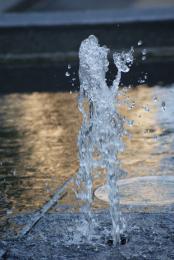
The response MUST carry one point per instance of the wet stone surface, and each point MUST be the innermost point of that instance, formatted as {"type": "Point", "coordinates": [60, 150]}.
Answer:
{"type": "Point", "coordinates": [56, 236]}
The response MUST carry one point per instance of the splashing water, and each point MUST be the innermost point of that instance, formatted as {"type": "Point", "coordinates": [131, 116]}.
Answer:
{"type": "Point", "coordinates": [100, 136]}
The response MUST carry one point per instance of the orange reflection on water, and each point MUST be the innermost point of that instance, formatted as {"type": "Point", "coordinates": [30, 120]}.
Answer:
{"type": "Point", "coordinates": [47, 125]}
{"type": "Point", "coordinates": [42, 152]}
{"type": "Point", "coordinates": [139, 158]}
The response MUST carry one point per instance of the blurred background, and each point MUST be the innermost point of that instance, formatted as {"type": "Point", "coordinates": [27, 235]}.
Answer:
{"type": "Point", "coordinates": [66, 5]}
{"type": "Point", "coordinates": [39, 117]}
{"type": "Point", "coordinates": [38, 39]}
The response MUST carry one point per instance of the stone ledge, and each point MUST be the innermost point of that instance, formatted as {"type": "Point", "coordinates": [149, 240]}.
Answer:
{"type": "Point", "coordinates": [129, 15]}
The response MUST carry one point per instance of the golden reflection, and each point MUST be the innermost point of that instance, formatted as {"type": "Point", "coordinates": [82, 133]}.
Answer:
{"type": "Point", "coordinates": [139, 158]}
{"type": "Point", "coordinates": [45, 128]}
{"type": "Point", "coordinates": [47, 155]}
{"type": "Point", "coordinates": [52, 122]}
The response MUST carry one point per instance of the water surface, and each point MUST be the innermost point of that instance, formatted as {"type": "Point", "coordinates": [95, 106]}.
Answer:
{"type": "Point", "coordinates": [38, 150]}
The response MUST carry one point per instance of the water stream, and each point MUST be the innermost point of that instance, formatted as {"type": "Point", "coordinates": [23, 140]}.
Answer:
{"type": "Point", "coordinates": [100, 136]}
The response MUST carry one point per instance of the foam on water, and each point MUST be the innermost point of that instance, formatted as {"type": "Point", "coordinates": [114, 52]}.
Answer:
{"type": "Point", "coordinates": [100, 136]}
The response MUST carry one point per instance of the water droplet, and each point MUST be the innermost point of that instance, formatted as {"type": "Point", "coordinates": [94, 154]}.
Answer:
{"type": "Point", "coordinates": [140, 43]}
{"type": "Point", "coordinates": [67, 74]}
{"type": "Point", "coordinates": [130, 122]}
{"type": "Point", "coordinates": [146, 108]}
{"type": "Point", "coordinates": [163, 105]}
{"type": "Point", "coordinates": [155, 138]}
{"type": "Point", "coordinates": [70, 92]}
{"type": "Point", "coordinates": [48, 189]}
{"type": "Point", "coordinates": [131, 105]}
{"type": "Point", "coordinates": [73, 79]}
{"type": "Point", "coordinates": [123, 60]}
{"type": "Point", "coordinates": [147, 131]}
{"type": "Point", "coordinates": [155, 99]}
{"type": "Point", "coordinates": [141, 81]}
{"type": "Point", "coordinates": [9, 212]}
{"type": "Point", "coordinates": [144, 52]}
{"type": "Point", "coordinates": [69, 66]}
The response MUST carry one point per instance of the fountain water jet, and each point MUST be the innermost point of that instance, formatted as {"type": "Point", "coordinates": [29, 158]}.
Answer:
{"type": "Point", "coordinates": [100, 136]}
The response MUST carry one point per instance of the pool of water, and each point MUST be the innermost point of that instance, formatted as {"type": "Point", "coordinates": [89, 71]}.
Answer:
{"type": "Point", "coordinates": [142, 191]}
{"type": "Point", "coordinates": [38, 150]}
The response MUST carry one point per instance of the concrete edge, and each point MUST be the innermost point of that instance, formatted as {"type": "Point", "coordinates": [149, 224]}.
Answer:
{"type": "Point", "coordinates": [131, 15]}
{"type": "Point", "coordinates": [152, 55]}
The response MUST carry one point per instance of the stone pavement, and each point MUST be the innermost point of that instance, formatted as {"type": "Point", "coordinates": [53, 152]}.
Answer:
{"type": "Point", "coordinates": [56, 236]}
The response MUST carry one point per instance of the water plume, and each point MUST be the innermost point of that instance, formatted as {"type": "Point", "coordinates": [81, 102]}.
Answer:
{"type": "Point", "coordinates": [100, 136]}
